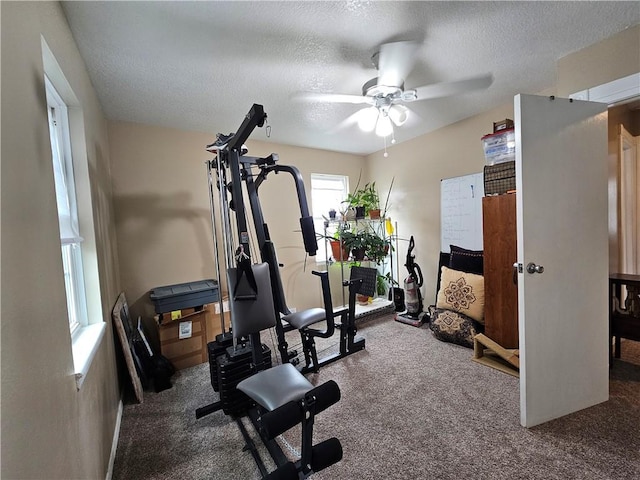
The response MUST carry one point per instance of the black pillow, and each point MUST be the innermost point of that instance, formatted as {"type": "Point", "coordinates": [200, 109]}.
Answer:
{"type": "Point", "coordinates": [469, 261]}
{"type": "Point", "coordinates": [445, 260]}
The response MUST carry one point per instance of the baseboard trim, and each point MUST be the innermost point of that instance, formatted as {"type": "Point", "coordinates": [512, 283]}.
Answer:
{"type": "Point", "coordinates": [114, 444]}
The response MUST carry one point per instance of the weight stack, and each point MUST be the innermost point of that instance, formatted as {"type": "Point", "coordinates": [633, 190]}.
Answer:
{"type": "Point", "coordinates": [216, 349]}
{"type": "Point", "coordinates": [232, 368]}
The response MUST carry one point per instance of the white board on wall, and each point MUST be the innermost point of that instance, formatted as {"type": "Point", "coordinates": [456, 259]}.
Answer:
{"type": "Point", "coordinates": [461, 212]}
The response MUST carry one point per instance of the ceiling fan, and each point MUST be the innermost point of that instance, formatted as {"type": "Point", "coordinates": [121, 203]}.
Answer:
{"type": "Point", "coordinates": [385, 95]}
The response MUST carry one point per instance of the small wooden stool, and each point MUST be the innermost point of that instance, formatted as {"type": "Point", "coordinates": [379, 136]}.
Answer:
{"type": "Point", "coordinates": [489, 353]}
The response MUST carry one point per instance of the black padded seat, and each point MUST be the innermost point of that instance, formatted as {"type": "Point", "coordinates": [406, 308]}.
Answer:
{"type": "Point", "coordinates": [304, 318]}
{"type": "Point", "coordinates": [275, 386]}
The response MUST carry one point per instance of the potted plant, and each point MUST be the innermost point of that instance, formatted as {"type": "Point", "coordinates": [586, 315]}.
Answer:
{"type": "Point", "coordinates": [371, 201]}
{"type": "Point", "coordinates": [377, 247]}
{"type": "Point", "coordinates": [365, 201]}
{"type": "Point", "coordinates": [356, 243]}
{"type": "Point", "coordinates": [339, 250]}
{"type": "Point", "coordinates": [354, 201]}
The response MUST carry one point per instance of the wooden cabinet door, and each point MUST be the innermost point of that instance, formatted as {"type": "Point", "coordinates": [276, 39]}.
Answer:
{"type": "Point", "coordinates": [500, 253]}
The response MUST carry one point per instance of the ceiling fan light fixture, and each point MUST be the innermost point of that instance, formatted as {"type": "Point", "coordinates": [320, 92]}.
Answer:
{"type": "Point", "coordinates": [374, 89]}
{"type": "Point", "coordinates": [398, 114]}
{"type": "Point", "coordinates": [384, 127]}
{"type": "Point", "coordinates": [367, 119]}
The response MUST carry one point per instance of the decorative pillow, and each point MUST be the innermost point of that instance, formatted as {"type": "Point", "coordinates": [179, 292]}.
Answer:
{"type": "Point", "coordinates": [454, 327]}
{"type": "Point", "coordinates": [470, 261]}
{"type": "Point", "coordinates": [462, 292]}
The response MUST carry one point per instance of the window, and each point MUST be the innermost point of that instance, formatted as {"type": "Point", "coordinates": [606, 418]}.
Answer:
{"type": "Point", "coordinates": [75, 214]}
{"type": "Point", "coordinates": [327, 192]}
{"type": "Point", "coordinates": [70, 238]}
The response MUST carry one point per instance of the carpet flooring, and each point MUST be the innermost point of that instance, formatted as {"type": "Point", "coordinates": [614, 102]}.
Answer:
{"type": "Point", "coordinates": [412, 407]}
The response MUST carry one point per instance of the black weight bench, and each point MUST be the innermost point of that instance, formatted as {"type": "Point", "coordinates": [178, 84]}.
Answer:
{"type": "Point", "coordinates": [362, 281]}
{"type": "Point", "coordinates": [286, 399]}
{"type": "Point", "coordinates": [283, 397]}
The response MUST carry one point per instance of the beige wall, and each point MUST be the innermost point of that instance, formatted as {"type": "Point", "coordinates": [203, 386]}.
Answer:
{"type": "Point", "coordinates": [421, 163]}
{"type": "Point", "coordinates": [49, 429]}
{"type": "Point", "coordinates": [613, 58]}
{"type": "Point", "coordinates": [163, 216]}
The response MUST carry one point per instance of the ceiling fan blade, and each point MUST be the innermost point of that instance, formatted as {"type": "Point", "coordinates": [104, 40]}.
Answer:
{"type": "Point", "coordinates": [344, 124]}
{"type": "Point", "coordinates": [395, 62]}
{"type": "Point", "coordinates": [446, 89]}
{"type": "Point", "coordinates": [331, 98]}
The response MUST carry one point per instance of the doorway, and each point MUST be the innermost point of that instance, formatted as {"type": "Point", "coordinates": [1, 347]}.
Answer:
{"type": "Point", "coordinates": [624, 188]}
{"type": "Point", "coordinates": [629, 201]}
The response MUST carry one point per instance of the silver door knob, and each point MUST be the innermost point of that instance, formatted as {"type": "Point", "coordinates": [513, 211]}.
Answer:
{"type": "Point", "coordinates": [533, 268]}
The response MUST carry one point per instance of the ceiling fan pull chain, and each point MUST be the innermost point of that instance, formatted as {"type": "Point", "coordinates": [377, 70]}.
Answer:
{"type": "Point", "coordinates": [267, 129]}
{"type": "Point", "coordinates": [385, 155]}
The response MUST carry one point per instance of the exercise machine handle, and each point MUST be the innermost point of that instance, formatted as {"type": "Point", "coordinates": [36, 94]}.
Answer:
{"type": "Point", "coordinates": [306, 220]}
{"type": "Point", "coordinates": [309, 235]}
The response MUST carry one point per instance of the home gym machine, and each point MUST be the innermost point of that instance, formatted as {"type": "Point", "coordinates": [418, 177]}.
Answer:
{"type": "Point", "coordinates": [233, 169]}
{"type": "Point", "coordinates": [275, 397]}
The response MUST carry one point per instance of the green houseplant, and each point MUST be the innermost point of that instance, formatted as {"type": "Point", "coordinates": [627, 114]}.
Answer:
{"type": "Point", "coordinates": [355, 242]}
{"type": "Point", "coordinates": [365, 200]}
{"type": "Point", "coordinates": [383, 282]}
{"type": "Point", "coordinates": [370, 200]}
{"type": "Point", "coordinates": [377, 248]}
{"type": "Point", "coordinates": [366, 244]}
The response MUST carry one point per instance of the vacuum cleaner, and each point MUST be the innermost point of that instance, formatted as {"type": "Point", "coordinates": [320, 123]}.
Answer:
{"type": "Point", "coordinates": [413, 314]}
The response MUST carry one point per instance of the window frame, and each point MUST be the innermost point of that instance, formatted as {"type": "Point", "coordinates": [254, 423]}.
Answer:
{"type": "Point", "coordinates": [86, 340]}
{"type": "Point", "coordinates": [71, 251]}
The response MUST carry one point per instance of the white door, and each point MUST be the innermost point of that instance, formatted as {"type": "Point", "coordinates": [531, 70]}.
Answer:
{"type": "Point", "coordinates": [561, 180]}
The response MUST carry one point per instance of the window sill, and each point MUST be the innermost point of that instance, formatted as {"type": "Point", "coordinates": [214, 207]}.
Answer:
{"type": "Point", "coordinates": [85, 344]}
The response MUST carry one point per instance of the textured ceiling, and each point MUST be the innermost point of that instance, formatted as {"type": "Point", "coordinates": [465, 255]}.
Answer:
{"type": "Point", "coordinates": [201, 65]}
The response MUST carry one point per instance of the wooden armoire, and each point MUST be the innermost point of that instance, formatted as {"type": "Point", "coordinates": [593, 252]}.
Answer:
{"type": "Point", "coordinates": [500, 253]}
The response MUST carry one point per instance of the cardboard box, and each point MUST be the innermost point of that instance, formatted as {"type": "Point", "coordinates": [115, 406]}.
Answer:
{"type": "Point", "coordinates": [205, 325]}
{"type": "Point", "coordinates": [183, 336]}
{"type": "Point", "coordinates": [505, 124]}
{"type": "Point", "coordinates": [213, 325]}
{"type": "Point", "coordinates": [213, 319]}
